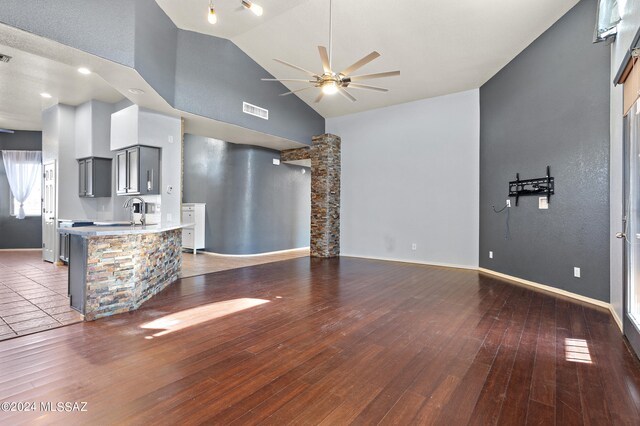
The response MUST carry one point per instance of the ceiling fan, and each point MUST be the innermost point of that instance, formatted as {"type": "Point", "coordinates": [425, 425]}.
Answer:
{"type": "Point", "coordinates": [331, 82]}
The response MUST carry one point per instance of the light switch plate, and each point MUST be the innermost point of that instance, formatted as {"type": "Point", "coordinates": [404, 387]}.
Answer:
{"type": "Point", "coordinates": [490, 255]}
{"type": "Point", "coordinates": [276, 161]}
{"type": "Point", "coordinates": [576, 272]}
{"type": "Point", "coordinates": [543, 203]}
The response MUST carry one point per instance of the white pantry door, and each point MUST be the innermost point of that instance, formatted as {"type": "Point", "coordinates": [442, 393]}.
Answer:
{"type": "Point", "coordinates": [49, 233]}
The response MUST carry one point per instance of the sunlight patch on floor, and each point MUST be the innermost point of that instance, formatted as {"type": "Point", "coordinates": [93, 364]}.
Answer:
{"type": "Point", "coordinates": [194, 316]}
{"type": "Point", "coordinates": [576, 350]}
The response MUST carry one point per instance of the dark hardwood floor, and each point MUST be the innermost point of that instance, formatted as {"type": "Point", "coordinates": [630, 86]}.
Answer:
{"type": "Point", "coordinates": [341, 341]}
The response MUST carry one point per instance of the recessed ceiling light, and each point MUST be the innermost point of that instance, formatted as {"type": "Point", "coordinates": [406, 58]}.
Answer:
{"type": "Point", "coordinates": [83, 70]}
{"type": "Point", "coordinates": [45, 95]}
{"type": "Point", "coordinates": [136, 91]}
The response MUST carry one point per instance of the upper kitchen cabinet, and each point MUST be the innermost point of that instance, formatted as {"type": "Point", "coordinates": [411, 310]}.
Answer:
{"type": "Point", "coordinates": [94, 177]}
{"type": "Point", "coordinates": [135, 126]}
{"type": "Point", "coordinates": [138, 171]}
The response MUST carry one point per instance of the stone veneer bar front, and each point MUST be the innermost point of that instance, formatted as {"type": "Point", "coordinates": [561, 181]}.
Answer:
{"type": "Point", "coordinates": [116, 270]}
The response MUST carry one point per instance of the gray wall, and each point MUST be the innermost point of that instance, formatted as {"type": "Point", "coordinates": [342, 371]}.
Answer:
{"type": "Point", "coordinates": [253, 206]}
{"type": "Point", "coordinates": [155, 48]}
{"type": "Point", "coordinates": [214, 77]}
{"type": "Point", "coordinates": [550, 106]}
{"type": "Point", "coordinates": [195, 73]}
{"type": "Point", "coordinates": [102, 28]}
{"type": "Point", "coordinates": [14, 233]}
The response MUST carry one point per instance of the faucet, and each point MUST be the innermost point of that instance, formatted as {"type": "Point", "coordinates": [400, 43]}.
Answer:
{"type": "Point", "coordinates": [129, 205]}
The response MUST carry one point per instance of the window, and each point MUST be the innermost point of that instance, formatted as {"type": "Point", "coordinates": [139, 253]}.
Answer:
{"type": "Point", "coordinates": [33, 205]}
{"type": "Point", "coordinates": [607, 19]}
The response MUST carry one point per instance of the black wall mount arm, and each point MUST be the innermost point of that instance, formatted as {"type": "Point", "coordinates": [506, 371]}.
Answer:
{"type": "Point", "coordinates": [544, 186]}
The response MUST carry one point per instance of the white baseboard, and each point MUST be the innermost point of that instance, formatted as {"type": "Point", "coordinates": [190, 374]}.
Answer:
{"type": "Point", "coordinates": [533, 284]}
{"type": "Point", "coordinates": [256, 254]}
{"type": "Point", "coordinates": [22, 249]}
{"type": "Point", "coordinates": [558, 291]}
{"type": "Point", "coordinates": [419, 262]}
{"type": "Point", "coordinates": [617, 319]}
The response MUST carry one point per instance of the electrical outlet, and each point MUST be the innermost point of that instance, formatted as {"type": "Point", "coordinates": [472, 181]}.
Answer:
{"type": "Point", "coordinates": [170, 139]}
{"type": "Point", "coordinates": [414, 246]}
{"type": "Point", "coordinates": [508, 203]}
{"type": "Point", "coordinates": [576, 272]}
{"type": "Point", "coordinates": [276, 161]}
{"type": "Point", "coordinates": [543, 203]}
{"type": "Point", "coordinates": [490, 255]}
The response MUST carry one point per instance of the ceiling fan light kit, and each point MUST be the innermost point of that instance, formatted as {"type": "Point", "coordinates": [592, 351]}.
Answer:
{"type": "Point", "coordinates": [249, 5]}
{"type": "Point", "coordinates": [331, 82]}
{"type": "Point", "coordinates": [256, 9]}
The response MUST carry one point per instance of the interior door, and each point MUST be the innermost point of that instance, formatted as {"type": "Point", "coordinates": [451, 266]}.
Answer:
{"type": "Point", "coordinates": [631, 227]}
{"type": "Point", "coordinates": [49, 212]}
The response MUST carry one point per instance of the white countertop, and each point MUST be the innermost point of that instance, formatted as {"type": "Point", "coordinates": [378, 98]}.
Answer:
{"type": "Point", "coordinates": [94, 231]}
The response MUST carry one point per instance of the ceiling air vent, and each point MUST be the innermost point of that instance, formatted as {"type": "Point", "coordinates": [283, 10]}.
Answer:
{"type": "Point", "coordinates": [247, 108]}
{"type": "Point", "coordinates": [4, 58]}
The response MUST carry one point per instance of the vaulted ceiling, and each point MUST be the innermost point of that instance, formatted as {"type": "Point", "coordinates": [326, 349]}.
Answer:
{"type": "Point", "coordinates": [440, 46]}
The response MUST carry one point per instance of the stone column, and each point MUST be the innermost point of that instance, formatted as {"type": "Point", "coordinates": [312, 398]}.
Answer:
{"type": "Point", "coordinates": [325, 195]}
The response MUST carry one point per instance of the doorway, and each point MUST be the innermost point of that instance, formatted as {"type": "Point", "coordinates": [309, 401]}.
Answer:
{"type": "Point", "coordinates": [631, 226]}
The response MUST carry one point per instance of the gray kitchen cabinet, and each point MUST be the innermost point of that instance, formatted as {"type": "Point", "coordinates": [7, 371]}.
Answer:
{"type": "Point", "coordinates": [94, 177]}
{"type": "Point", "coordinates": [138, 171]}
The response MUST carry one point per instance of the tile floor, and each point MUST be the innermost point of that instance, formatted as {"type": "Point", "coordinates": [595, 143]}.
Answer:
{"type": "Point", "coordinates": [33, 294]}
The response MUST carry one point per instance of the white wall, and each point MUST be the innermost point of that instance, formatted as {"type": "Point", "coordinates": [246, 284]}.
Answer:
{"type": "Point", "coordinates": [410, 174]}
{"type": "Point", "coordinates": [630, 11]}
{"type": "Point", "coordinates": [66, 137]}
{"type": "Point", "coordinates": [138, 126]}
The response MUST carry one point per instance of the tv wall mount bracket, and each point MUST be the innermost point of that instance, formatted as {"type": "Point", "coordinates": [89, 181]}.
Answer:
{"type": "Point", "coordinates": [539, 186]}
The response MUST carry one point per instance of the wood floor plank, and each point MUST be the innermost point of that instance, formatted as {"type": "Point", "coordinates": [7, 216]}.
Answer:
{"type": "Point", "coordinates": [337, 341]}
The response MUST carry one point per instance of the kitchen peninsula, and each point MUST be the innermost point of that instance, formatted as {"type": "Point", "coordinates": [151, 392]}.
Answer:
{"type": "Point", "coordinates": [114, 269]}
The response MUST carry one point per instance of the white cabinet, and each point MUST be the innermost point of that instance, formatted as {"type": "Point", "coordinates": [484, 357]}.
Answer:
{"type": "Point", "coordinates": [193, 235]}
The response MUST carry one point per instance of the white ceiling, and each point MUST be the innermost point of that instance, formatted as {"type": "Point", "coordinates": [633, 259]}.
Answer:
{"type": "Point", "coordinates": [233, 18]}
{"type": "Point", "coordinates": [440, 46]}
{"type": "Point", "coordinates": [26, 76]}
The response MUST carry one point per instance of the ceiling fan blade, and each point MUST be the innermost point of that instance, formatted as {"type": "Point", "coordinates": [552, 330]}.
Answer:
{"type": "Point", "coordinates": [324, 56]}
{"type": "Point", "coordinates": [319, 98]}
{"type": "Point", "coordinates": [365, 86]}
{"type": "Point", "coordinates": [295, 91]}
{"type": "Point", "coordinates": [296, 67]}
{"type": "Point", "coordinates": [288, 79]}
{"type": "Point", "coordinates": [376, 75]}
{"type": "Point", "coordinates": [362, 62]}
{"type": "Point", "coordinates": [346, 94]}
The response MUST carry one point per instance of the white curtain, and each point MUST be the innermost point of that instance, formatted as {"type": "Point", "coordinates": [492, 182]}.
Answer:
{"type": "Point", "coordinates": [23, 171]}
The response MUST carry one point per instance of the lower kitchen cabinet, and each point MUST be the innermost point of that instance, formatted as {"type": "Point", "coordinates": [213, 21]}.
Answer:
{"type": "Point", "coordinates": [193, 236]}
